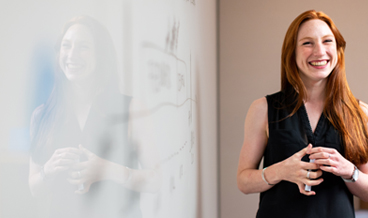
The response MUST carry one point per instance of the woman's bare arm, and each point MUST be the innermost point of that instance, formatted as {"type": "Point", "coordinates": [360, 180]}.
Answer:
{"type": "Point", "coordinates": [292, 169]}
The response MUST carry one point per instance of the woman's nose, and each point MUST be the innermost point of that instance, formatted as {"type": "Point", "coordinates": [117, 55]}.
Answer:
{"type": "Point", "coordinates": [319, 49]}
{"type": "Point", "coordinates": [73, 52]}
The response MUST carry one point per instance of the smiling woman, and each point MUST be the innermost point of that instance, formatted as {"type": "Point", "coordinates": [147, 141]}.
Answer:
{"type": "Point", "coordinates": [85, 162]}
{"type": "Point", "coordinates": [312, 134]}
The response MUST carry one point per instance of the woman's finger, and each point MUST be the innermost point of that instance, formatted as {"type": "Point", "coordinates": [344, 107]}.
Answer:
{"type": "Point", "coordinates": [314, 175]}
{"type": "Point", "coordinates": [321, 155]}
{"type": "Point", "coordinates": [71, 150]}
{"type": "Point", "coordinates": [323, 162]}
{"type": "Point", "coordinates": [300, 154]}
{"type": "Point", "coordinates": [309, 166]}
{"type": "Point", "coordinates": [75, 181]}
{"type": "Point", "coordinates": [56, 170]}
{"type": "Point", "coordinates": [65, 162]}
{"type": "Point", "coordinates": [76, 174]}
{"type": "Point", "coordinates": [71, 156]}
{"type": "Point", "coordinates": [86, 152]}
{"type": "Point", "coordinates": [321, 149]}
{"type": "Point", "coordinates": [313, 182]}
{"type": "Point", "coordinates": [302, 191]}
{"type": "Point", "coordinates": [83, 190]}
{"type": "Point", "coordinates": [329, 169]}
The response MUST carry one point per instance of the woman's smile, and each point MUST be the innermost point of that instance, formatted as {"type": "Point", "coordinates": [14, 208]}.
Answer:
{"type": "Point", "coordinates": [319, 64]}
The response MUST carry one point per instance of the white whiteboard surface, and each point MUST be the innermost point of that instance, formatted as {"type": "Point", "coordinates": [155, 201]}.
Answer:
{"type": "Point", "coordinates": [166, 59]}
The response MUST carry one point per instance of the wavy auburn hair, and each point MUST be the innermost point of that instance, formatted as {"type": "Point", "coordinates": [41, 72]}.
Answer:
{"type": "Point", "coordinates": [341, 108]}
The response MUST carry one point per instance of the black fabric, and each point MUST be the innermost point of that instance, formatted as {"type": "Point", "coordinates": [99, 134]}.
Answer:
{"type": "Point", "coordinates": [105, 134]}
{"type": "Point", "coordinates": [288, 135]}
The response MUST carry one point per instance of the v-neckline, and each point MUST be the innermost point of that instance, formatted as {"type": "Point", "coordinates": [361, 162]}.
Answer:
{"type": "Point", "coordinates": [312, 135]}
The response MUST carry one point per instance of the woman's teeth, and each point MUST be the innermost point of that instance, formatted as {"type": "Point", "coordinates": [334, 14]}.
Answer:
{"type": "Point", "coordinates": [74, 66]}
{"type": "Point", "coordinates": [318, 63]}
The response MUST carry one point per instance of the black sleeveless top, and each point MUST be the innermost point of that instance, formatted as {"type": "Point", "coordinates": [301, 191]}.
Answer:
{"type": "Point", "coordinates": [286, 137]}
{"type": "Point", "coordinates": [106, 135]}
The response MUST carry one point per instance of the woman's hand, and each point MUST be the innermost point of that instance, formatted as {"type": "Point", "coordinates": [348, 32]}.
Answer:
{"type": "Point", "coordinates": [332, 161]}
{"type": "Point", "coordinates": [297, 171]}
{"type": "Point", "coordinates": [61, 160]}
{"type": "Point", "coordinates": [84, 174]}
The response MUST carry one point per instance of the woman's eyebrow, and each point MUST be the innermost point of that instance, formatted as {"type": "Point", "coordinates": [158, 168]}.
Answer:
{"type": "Point", "coordinates": [305, 38]}
{"type": "Point", "coordinates": [310, 37]}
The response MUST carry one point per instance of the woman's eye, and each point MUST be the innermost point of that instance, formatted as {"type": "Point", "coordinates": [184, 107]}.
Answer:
{"type": "Point", "coordinates": [84, 47]}
{"type": "Point", "coordinates": [65, 45]}
{"type": "Point", "coordinates": [306, 43]}
{"type": "Point", "coordinates": [328, 40]}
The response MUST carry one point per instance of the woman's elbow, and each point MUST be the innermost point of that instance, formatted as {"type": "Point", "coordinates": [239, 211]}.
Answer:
{"type": "Point", "coordinates": [242, 186]}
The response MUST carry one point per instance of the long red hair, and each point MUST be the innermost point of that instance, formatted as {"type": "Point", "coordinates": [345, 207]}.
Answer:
{"type": "Point", "coordinates": [341, 108]}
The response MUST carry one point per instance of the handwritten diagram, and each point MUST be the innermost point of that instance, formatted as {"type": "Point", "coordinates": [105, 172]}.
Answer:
{"type": "Point", "coordinates": [164, 79]}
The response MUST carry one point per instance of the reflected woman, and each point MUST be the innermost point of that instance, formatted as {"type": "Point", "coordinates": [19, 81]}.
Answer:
{"type": "Point", "coordinates": [84, 163]}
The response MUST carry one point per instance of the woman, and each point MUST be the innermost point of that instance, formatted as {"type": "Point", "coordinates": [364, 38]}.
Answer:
{"type": "Point", "coordinates": [314, 117]}
{"type": "Point", "coordinates": [85, 150]}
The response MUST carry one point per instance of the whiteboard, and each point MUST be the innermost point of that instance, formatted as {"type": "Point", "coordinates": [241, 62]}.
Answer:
{"type": "Point", "coordinates": [163, 62]}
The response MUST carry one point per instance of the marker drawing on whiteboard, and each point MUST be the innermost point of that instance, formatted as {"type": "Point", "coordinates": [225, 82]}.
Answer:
{"type": "Point", "coordinates": [308, 188]}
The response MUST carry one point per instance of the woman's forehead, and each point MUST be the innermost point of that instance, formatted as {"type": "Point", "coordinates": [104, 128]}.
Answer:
{"type": "Point", "coordinates": [78, 32]}
{"type": "Point", "coordinates": [314, 28]}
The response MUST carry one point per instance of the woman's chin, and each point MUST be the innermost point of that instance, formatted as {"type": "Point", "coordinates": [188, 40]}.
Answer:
{"type": "Point", "coordinates": [75, 76]}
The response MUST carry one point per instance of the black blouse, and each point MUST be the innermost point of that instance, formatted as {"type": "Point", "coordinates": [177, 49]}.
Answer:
{"type": "Point", "coordinates": [288, 135]}
{"type": "Point", "coordinates": [105, 134]}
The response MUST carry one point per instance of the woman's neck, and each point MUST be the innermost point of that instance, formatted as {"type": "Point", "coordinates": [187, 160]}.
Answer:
{"type": "Point", "coordinates": [316, 91]}
{"type": "Point", "coordinates": [83, 98]}
{"type": "Point", "coordinates": [83, 93]}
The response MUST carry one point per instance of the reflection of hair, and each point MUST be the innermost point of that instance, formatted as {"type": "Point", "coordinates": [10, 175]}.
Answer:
{"type": "Point", "coordinates": [341, 107]}
{"type": "Point", "coordinates": [56, 109]}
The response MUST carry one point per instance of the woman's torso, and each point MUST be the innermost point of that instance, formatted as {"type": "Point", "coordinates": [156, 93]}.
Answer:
{"type": "Point", "coordinates": [105, 134]}
{"type": "Point", "coordinates": [288, 135]}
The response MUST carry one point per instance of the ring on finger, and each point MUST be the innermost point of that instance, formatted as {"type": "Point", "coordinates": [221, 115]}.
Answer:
{"type": "Point", "coordinates": [329, 156]}
{"type": "Point", "coordinates": [308, 174]}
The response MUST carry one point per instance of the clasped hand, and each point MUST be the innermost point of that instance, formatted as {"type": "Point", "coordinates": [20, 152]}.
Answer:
{"type": "Point", "coordinates": [85, 173]}
{"type": "Point", "coordinates": [305, 173]}
{"type": "Point", "coordinates": [80, 173]}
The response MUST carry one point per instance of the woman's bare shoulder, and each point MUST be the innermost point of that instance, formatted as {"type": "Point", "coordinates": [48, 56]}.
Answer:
{"type": "Point", "coordinates": [258, 107]}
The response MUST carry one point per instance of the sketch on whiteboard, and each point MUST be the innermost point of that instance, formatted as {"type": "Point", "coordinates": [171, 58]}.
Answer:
{"type": "Point", "coordinates": [172, 36]}
{"type": "Point", "coordinates": [165, 80]}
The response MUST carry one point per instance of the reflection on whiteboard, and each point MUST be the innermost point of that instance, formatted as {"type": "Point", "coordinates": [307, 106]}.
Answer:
{"type": "Point", "coordinates": [157, 63]}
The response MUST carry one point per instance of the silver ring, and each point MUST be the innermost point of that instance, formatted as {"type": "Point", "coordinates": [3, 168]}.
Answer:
{"type": "Point", "coordinates": [329, 156]}
{"type": "Point", "coordinates": [308, 174]}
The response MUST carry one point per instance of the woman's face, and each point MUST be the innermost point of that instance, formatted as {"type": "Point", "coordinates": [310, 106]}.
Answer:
{"type": "Point", "coordinates": [316, 54]}
{"type": "Point", "coordinates": [77, 53]}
